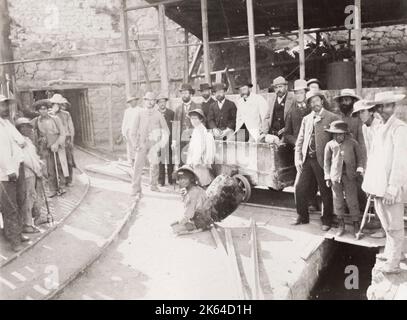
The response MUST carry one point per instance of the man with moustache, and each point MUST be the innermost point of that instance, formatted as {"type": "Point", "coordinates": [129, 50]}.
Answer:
{"type": "Point", "coordinates": [309, 159]}
{"type": "Point", "coordinates": [222, 114]}
{"type": "Point", "coordinates": [182, 127]}
{"type": "Point", "coordinates": [280, 104]}
{"type": "Point", "coordinates": [205, 90]}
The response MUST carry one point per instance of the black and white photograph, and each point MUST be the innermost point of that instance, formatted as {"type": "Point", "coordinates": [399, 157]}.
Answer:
{"type": "Point", "coordinates": [202, 155]}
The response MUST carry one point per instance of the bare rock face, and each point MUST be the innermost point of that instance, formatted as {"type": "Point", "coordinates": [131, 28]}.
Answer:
{"type": "Point", "coordinates": [388, 286]}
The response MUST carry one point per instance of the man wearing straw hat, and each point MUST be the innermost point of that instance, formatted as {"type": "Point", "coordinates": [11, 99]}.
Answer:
{"type": "Point", "coordinates": [309, 159]}
{"type": "Point", "coordinates": [126, 125]}
{"type": "Point", "coordinates": [149, 134]}
{"type": "Point", "coordinates": [12, 179]}
{"type": "Point", "coordinates": [57, 102]}
{"type": "Point", "coordinates": [51, 138]}
{"type": "Point", "coordinates": [386, 178]}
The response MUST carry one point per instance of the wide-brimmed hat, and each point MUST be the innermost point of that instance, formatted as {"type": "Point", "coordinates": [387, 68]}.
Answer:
{"type": "Point", "coordinates": [196, 111]}
{"type": "Point", "coordinates": [300, 84]}
{"type": "Point", "coordinates": [242, 82]}
{"type": "Point", "coordinates": [362, 105]}
{"type": "Point", "coordinates": [132, 98]}
{"type": "Point", "coordinates": [162, 96]}
{"type": "Point", "coordinates": [22, 121]}
{"type": "Point", "coordinates": [204, 86]}
{"type": "Point", "coordinates": [149, 96]}
{"type": "Point", "coordinates": [43, 102]}
{"type": "Point", "coordinates": [187, 87]}
{"type": "Point", "coordinates": [338, 126]}
{"type": "Point", "coordinates": [347, 93]}
{"type": "Point", "coordinates": [58, 98]}
{"type": "Point", "coordinates": [4, 98]}
{"type": "Point", "coordinates": [279, 80]}
{"type": "Point", "coordinates": [186, 169]}
{"type": "Point", "coordinates": [311, 94]}
{"type": "Point", "coordinates": [218, 86]}
{"type": "Point", "coordinates": [313, 80]}
{"type": "Point", "coordinates": [387, 97]}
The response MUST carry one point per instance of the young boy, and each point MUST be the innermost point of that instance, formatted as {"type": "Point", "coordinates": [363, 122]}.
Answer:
{"type": "Point", "coordinates": [342, 163]}
{"type": "Point", "coordinates": [33, 173]}
{"type": "Point", "coordinates": [196, 218]}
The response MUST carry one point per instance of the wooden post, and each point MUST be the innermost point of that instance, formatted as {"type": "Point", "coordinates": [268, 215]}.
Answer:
{"type": "Point", "coordinates": [186, 56]}
{"type": "Point", "coordinates": [300, 12]}
{"type": "Point", "coordinates": [6, 53]}
{"type": "Point", "coordinates": [163, 51]}
{"type": "Point", "coordinates": [358, 47]}
{"type": "Point", "coordinates": [205, 40]}
{"type": "Point", "coordinates": [126, 46]}
{"type": "Point", "coordinates": [109, 109]}
{"type": "Point", "coordinates": [252, 44]}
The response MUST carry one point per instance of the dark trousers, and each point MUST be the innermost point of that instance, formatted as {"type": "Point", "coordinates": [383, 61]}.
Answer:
{"type": "Point", "coordinates": [166, 161]}
{"type": "Point", "coordinates": [312, 171]}
{"type": "Point", "coordinates": [70, 159]}
{"type": "Point", "coordinates": [53, 181]}
{"type": "Point", "coordinates": [12, 198]}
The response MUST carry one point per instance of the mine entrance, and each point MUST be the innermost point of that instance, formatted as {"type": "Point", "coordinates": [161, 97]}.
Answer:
{"type": "Point", "coordinates": [80, 111]}
{"type": "Point", "coordinates": [348, 260]}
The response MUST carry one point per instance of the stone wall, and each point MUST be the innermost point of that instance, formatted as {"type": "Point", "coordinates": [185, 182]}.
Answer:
{"type": "Point", "coordinates": [55, 28]}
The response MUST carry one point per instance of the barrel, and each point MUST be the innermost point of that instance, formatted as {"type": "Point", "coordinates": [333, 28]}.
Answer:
{"type": "Point", "coordinates": [341, 75]}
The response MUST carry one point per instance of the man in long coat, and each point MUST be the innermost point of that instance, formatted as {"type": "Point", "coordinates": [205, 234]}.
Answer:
{"type": "Point", "coordinates": [386, 178]}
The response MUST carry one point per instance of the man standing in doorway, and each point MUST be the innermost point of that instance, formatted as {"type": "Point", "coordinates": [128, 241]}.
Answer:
{"type": "Point", "coordinates": [149, 134]}
{"type": "Point", "coordinates": [386, 178]}
{"type": "Point", "coordinates": [128, 117]}
{"type": "Point", "coordinates": [57, 102]}
{"type": "Point", "coordinates": [309, 159]}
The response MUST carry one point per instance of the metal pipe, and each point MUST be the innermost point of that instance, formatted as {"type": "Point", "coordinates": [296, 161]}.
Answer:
{"type": "Point", "coordinates": [252, 44]}
{"type": "Point", "coordinates": [300, 12]}
{"type": "Point", "coordinates": [152, 5]}
{"type": "Point", "coordinates": [205, 39]}
{"type": "Point", "coordinates": [126, 46]}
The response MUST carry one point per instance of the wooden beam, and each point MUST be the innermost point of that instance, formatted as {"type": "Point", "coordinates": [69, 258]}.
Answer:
{"type": "Point", "coordinates": [300, 12]}
{"type": "Point", "coordinates": [358, 47]}
{"type": "Point", "coordinates": [186, 56]}
{"type": "Point", "coordinates": [205, 40]}
{"type": "Point", "coordinates": [145, 6]}
{"type": "Point", "coordinates": [163, 51]}
{"type": "Point", "coordinates": [126, 46]}
{"type": "Point", "coordinates": [257, 293]}
{"type": "Point", "coordinates": [252, 44]}
{"type": "Point", "coordinates": [6, 52]}
{"type": "Point", "coordinates": [234, 266]}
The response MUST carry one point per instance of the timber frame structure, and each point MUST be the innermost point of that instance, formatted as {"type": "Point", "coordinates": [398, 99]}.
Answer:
{"type": "Point", "coordinates": [316, 15]}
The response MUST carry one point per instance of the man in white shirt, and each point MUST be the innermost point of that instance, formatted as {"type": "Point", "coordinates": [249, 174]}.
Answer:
{"type": "Point", "coordinates": [12, 179]}
{"type": "Point", "coordinates": [251, 111]}
{"type": "Point", "coordinates": [128, 117]}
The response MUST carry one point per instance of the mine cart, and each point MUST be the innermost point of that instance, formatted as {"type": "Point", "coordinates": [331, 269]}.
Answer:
{"type": "Point", "coordinates": [256, 164]}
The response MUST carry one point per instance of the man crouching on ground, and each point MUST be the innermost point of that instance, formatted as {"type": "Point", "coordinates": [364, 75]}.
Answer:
{"type": "Point", "coordinates": [195, 218]}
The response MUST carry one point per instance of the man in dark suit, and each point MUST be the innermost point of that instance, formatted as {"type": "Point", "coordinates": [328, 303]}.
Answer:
{"type": "Point", "coordinates": [309, 159]}
{"type": "Point", "coordinates": [205, 90]}
{"type": "Point", "coordinates": [166, 152]}
{"type": "Point", "coordinates": [222, 114]}
{"type": "Point", "coordinates": [280, 104]}
{"type": "Point", "coordinates": [182, 127]}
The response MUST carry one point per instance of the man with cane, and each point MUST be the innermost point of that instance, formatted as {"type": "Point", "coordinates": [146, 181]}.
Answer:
{"type": "Point", "coordinates": [51, 147]}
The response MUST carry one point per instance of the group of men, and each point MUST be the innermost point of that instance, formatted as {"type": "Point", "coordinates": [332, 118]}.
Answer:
{"type": "Point", "coordinates": [34, 153]}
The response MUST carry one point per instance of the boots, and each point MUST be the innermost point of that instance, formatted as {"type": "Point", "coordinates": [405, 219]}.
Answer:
{"type": "Point", "coordinates": [341, 225]}
{"type": "Point", "coordinates": [356, 227]}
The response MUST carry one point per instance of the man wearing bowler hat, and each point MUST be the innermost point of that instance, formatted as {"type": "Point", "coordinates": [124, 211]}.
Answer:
{"type": "Point", "coordinates": [206, 94]}
{"type": "Point", "coordinates": [281, 102]}
{"type": "Point", "coordinates": [250, 113]}
{"type": "Point", "coordinates": [182, 127]}
{"type": "Point", "coordinates": [166, 152]}
{"type": "Point", "coordinates": [222, 113]}
{"type": "Point", "coordinates": [386, 178]}
{"type": "Point", "coordinates": [309, 159]}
